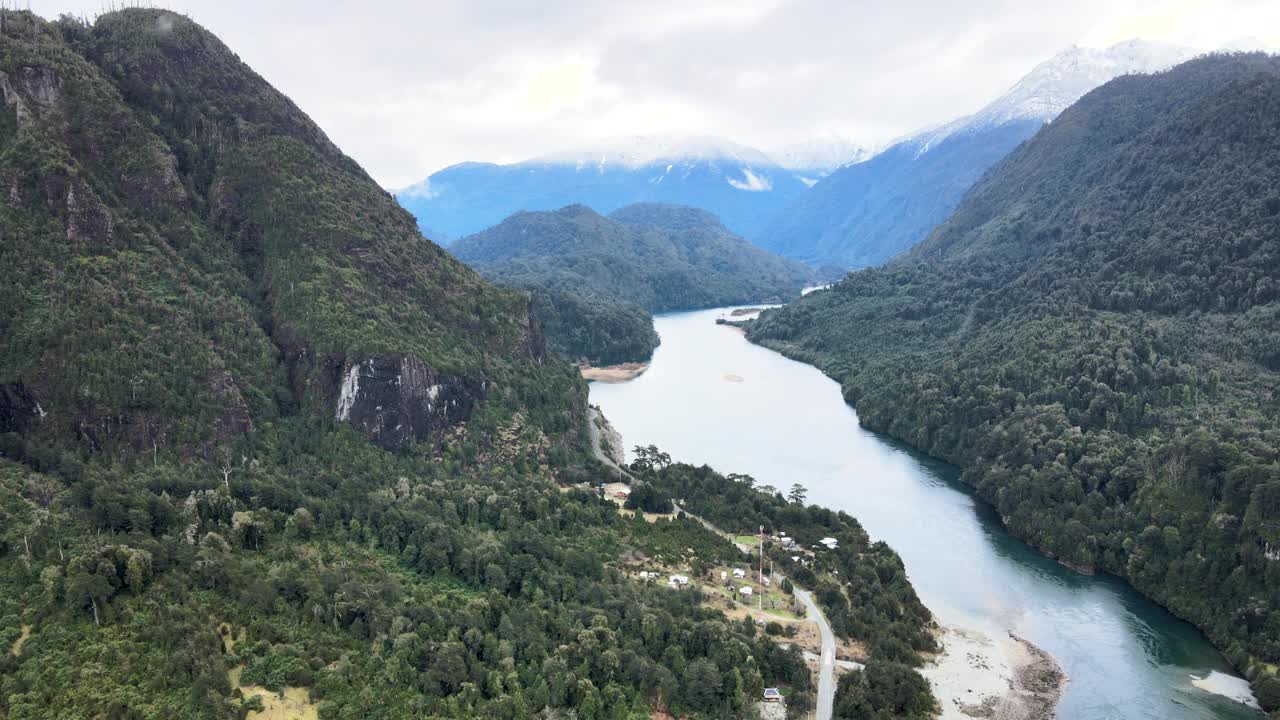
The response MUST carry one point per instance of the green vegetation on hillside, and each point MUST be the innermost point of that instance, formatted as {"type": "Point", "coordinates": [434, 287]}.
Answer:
{"type": "Point", "coordinates": [1093, 337]}
{"type": "Point", "coordinates": [385, 585]}
{"type": "Point", "coordinates": [865, 213]}
{"type": "Point", "coordinates": [862, 586]}
{"type": "Point", "coordinates": [651, 256]}
{"type": "Point", "coordinates": [192, 270]}
{"type": "Point", "coordinates": [602, 331]}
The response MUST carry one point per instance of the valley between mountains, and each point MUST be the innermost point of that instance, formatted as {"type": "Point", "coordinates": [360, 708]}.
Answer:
{"type": "Point", "coordinates": [983, 422]}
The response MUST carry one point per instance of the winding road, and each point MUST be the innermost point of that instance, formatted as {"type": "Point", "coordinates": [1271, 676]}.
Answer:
{"type": "Point", "coordinates": [827, 663]}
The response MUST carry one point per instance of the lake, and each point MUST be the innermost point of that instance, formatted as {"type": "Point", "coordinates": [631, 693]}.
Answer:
{"type": "Point", "coordinates": [711, 397]}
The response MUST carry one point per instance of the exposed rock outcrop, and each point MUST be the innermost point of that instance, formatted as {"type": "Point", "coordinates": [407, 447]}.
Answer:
{"type": "Point", "coordinates": [33, 92]}
{"type": "Point", "coordinates": [235, 419]}
{"type": "Point", "coordinates": [86, 218]}
{"type": "Point", "coordinates": [18, 408]}
{"type": "Point", "coordinates": [396, 399]}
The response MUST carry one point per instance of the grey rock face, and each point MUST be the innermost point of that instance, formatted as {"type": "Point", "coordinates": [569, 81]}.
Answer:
{"type": "Point", "coordinates": [17, 408]}
{"type": "Point", "coordinates": [32, 92]}
{"type": "Point", "coordinates": [235, 419]}
{"type": "Point", "coordinates": [396, 399]}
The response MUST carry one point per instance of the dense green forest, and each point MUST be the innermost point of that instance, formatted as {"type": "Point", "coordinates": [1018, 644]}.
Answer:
{"type": "Point", "coordinates": [599, 271]}
{"type": "Point", "coordinates": [1092, 336]}
{"type": "Point", "coordinates": [261, 442]}
{"type": "Point", "coordinates": [862, 586]}
{"type": "Point", "coordinates": [600, 330]}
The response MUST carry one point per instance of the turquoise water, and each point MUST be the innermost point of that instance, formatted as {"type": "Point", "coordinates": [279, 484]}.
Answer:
{"type": "Point", "coordinates": [711, 397]}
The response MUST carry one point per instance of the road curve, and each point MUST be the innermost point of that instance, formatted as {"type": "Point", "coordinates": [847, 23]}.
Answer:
{"type": "Point", "coordinates": [827, 663]}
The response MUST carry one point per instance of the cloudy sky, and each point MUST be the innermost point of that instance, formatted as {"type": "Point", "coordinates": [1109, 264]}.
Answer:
{"type": "Point", "coordinates": [410, 86]}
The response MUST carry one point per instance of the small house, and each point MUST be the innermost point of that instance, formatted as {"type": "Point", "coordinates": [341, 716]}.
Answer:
{"type": "Point", "coordinates": [773, 695]}
{"type": "Point", "coordinates": [745, 591]}
{"type": "Point", "coordinates": [724, 576]}
{"type": "Point", "coordinates": [739, 573]}
{"type": "Point", "coordinates": [678, 580]}
{"type": "Point", "coordinates": [829, 542]}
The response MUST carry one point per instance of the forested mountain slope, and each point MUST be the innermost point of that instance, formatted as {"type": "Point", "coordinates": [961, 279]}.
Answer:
{"type": "Point", "coordinates": [260, 439]}
{"type": "Point", "coordinates": [661, 257]}
{"type": "Point", "coordinates": [168, 209]}
{"type": "Point", "coordinates": [865, 213]}
{"type": "Point", "coordinates": [651, 256]}
{"type": "Point", "coordinates": [1093, 337]}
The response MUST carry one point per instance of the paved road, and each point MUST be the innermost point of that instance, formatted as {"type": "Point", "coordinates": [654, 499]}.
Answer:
{"type": "Point", "coordinates": [827, 664]}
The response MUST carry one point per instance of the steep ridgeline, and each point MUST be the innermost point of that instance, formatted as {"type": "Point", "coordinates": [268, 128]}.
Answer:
{"type": "Point", "coordinates": [739, 184]}
{"type": "Point", "coordinates": [1093, 337]}
{"type": "Point", "coordinates": [865, 213]}
{"type": "Point", "coordinates": [187, 255]}
{"type": "Point", "coordinates": [651, 256]}
{"type": "Point", "coordinates": [261, 444]}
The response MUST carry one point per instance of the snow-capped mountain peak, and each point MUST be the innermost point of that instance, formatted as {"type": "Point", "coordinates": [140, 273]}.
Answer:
{"type": "Point", "coordinates": [643, 150]}
{"type": "Point", "coordinates": [1055, 84]}
{"type": "Point", "coordinates": [820, 155]}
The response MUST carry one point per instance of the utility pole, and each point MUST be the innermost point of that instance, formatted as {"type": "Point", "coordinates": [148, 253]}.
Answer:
{"type": "Point", "coordinates": [761, 603]}
{"type": "Point", "coordinates": [761, 556]}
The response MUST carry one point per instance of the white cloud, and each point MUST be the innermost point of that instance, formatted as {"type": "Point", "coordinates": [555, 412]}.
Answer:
{"type": "Point", "coordinates": [751, 182]}
{"type": "Point", "coordinates": [421, 189]}
{"type": "Point", "coordinates": [407, 87]}
{"type": "Point", "coordinates": [1204, 24]}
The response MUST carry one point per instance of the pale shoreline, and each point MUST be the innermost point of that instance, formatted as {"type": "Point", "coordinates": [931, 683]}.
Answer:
{"type": "Point", "coordinates": [734, 327]}
{"type": "Point", "coordinates": [1228, 686]}
{"type": "Point", "coordinates": [613, 373]}
{"type": "Point", "coordinates": [978, 676]}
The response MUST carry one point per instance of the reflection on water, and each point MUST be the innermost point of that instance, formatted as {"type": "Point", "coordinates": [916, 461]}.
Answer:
{"type": "Point", "coordinates": [784, 422]}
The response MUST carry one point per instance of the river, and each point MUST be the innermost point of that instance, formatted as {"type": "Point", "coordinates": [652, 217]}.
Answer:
{"type": "Point", "coordinates": [711, 397]}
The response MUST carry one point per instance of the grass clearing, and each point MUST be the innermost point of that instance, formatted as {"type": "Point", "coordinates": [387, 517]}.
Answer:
{"type": "Point", "coordinates": [292, 703]}
{"type": "Point", "coordinates": [648, 517]}
{"type": "Point", "coordinates": [16, 650]}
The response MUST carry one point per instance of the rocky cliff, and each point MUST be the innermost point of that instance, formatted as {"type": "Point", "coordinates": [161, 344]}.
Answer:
{"type": "Point", "coordinates": [187, 255]}
{"type": "Point", "coordinates": [394, 399]}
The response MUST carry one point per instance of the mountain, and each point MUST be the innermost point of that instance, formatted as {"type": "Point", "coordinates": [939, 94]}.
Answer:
{"type": "Point", "coordinates": [660, 257]}
{"type": "Point", "coordinates": [739, 184]}
{"type": "Point", "coordinates": [595, 279]}
{"type": "Point", "coordinates": [1092, 337]}
{"type": "Point", "coordinates": [865, 213]}
{"type": "Point", "coordinates": [819, 157]}
{"type": "Point", "coordinates": [587, 327]}
{"type": "Point", "coordinates": [228, 237]}
{"type": "Point", "coordinates": [265, 451]}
